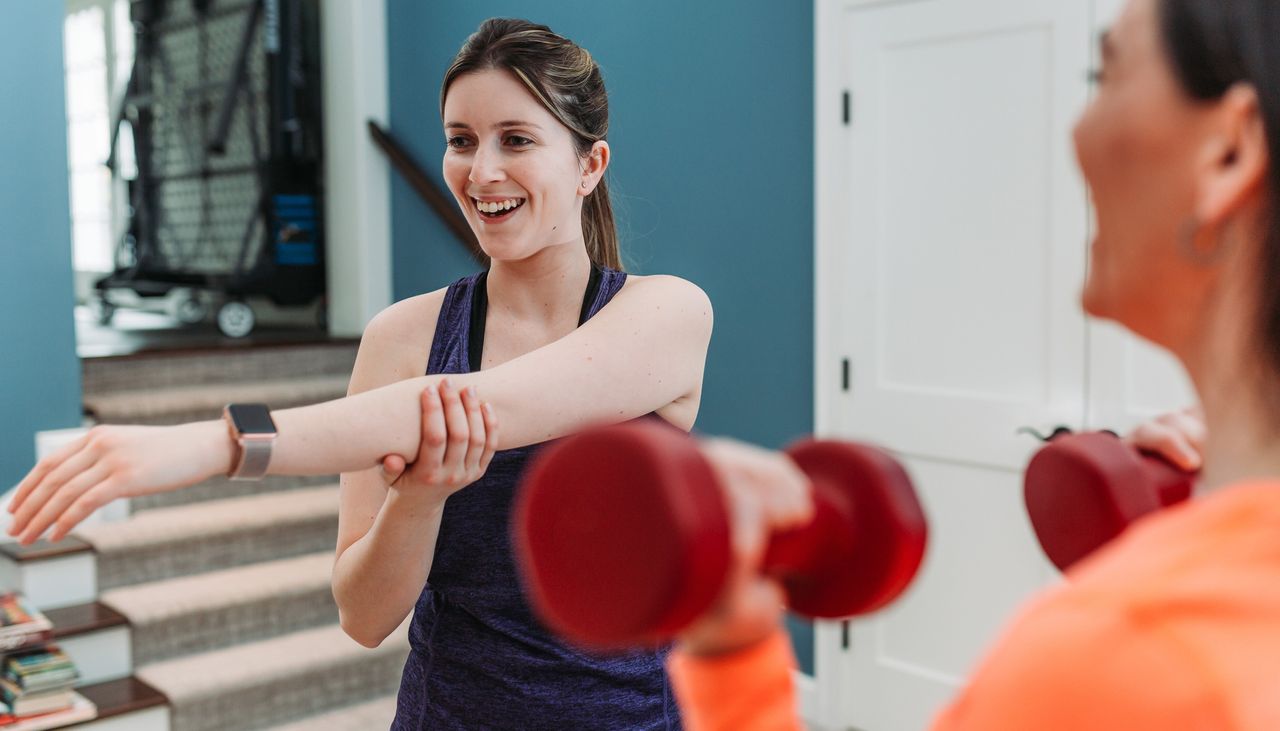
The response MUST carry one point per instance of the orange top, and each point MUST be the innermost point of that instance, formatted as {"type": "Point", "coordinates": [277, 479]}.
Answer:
{"type": "Point", "coordinates": [1174, 626]}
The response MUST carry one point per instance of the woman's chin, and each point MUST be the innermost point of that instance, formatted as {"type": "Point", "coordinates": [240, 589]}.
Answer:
{"type": "Point", "coordinates": [1092, 301]}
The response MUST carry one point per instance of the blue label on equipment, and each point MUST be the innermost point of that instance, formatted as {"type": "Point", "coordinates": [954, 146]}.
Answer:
{"type": "Point", "coordinates": [296, 253]}
{"type": "Point", "coordinates": [295, 230]}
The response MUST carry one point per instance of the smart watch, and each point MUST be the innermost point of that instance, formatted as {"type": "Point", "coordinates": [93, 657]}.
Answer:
{"type": "Point", "coordinates": [254, 434]}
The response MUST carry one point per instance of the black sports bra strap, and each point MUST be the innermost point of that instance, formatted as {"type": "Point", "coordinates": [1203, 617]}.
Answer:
{"type": "Point", "coordinates": [480, 312]}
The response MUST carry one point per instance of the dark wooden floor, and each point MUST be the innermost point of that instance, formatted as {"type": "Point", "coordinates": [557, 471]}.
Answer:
{"type": "Point", "coordinates": [132, 332]}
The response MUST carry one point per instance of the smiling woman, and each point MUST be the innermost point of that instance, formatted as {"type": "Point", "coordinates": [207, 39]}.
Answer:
{"type": "Point", "coordinates": [553, 337]}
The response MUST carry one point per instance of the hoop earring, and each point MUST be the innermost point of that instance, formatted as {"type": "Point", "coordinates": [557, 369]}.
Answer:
{"type": "Point", "coordinates": [1197, 254]}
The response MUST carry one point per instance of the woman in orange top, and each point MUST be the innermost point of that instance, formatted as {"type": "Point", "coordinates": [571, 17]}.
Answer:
{"type": "Point", "coordinates": [1176, 625]}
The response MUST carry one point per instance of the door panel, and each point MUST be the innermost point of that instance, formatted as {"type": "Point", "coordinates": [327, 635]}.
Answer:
{"type": "Point", "coordinates": [957, 252]}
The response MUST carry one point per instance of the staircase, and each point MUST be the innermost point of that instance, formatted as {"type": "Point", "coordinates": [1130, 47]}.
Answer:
{"type": "Point", "coordinates": [222, 589]}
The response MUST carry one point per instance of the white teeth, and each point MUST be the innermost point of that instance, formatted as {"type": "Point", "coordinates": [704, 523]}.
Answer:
{"type": "Point", "coordinates": [498, 206]}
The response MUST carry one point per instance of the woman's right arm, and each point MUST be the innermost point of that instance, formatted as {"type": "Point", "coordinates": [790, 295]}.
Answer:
{"type": "Point", "coordinates": [644, 352]}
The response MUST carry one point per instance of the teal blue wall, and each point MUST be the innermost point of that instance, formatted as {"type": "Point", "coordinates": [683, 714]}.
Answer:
{"type": "Point", "coordinates": [712, 136]}
{"type": "Point", "coordinates": [40, 388]}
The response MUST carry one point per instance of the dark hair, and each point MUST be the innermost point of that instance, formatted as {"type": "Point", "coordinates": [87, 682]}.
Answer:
{"type": "Point", "coordinates": [1213, 45]}
{"type": "Point", "coordinates": [564, 77]}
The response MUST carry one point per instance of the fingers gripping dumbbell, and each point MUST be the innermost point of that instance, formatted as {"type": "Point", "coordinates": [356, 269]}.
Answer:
{"type": "Point", "coordinates": [623, 534]}
{"type": "Point", "coordinates": [1082, 490]}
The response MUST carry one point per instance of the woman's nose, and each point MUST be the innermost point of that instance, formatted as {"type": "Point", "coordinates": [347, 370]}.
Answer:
{"type": "Point", "coordinates": [486, 166]}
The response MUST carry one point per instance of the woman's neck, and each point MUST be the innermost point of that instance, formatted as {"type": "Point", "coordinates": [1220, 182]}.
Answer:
{"type": "Point", "coordinates": [1239, 391]}
{"type": "Point", "coordinates": [546, 286]}
{"type": "Point", "coordinates": [1238, 447]}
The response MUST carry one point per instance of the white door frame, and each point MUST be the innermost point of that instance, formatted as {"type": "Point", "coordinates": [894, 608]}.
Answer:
{"type": "Point", "coordinates": [819, 695]}
{"type": "Point", "coordinates": [357, 176]}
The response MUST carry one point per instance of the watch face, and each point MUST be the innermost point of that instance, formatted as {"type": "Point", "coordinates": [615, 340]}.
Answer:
{"type": "Point", "coordinates": [252, 418]}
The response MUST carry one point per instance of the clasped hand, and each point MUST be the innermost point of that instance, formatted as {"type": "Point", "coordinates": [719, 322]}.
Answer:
{"type": "Point", "coordinates": [459, 438]}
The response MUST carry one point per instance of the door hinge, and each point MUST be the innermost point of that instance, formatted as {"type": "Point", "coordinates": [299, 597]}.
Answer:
{"type": "Point", "coordinates": [845, 375]}
{"type": "Point", "coordinates": [847, 105]}
{"type": "Point", "coordinates": [845, 639]}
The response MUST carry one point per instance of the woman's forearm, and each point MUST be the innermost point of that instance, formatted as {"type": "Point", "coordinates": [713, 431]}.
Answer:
{"type": "Point", "coordinates": [378, 578]}
{"type": "Point", "coordinates": [350, 434]}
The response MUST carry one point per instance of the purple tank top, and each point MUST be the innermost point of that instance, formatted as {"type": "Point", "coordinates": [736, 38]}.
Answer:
{"type": "Point", "coordinates": [479, 659]}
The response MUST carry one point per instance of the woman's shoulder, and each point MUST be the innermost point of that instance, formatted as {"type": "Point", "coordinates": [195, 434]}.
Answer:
{"type": "Point", "coordinates": [409, 316]}
{"type": "Point", "coordinates": [661, 289]}
{"type": "Point", "coordinates": [406, 316]}
{"type": "Point", "coordinates": [397, 341]}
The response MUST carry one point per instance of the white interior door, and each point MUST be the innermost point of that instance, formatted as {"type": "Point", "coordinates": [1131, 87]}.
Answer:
{"type": "Point", "coordinates": [952, 228]}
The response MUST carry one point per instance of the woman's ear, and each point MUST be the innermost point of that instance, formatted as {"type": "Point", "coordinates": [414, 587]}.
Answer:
{"type": "Point", "coordinates": [1236, 159]}
{"type": "Point", "coordinates": [596, 162]}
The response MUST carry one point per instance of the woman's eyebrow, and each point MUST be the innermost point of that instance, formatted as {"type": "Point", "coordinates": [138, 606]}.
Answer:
{"type": "Point", "coordinates": [516, 123]}
{"type": "Point", "coordinates": [1106, 41]}
{"type": "Point", "coordinates": [500, 125]}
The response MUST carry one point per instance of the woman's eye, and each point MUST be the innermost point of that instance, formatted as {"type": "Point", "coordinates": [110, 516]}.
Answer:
{"type": "Point", "coordinates": [458, 143]}
{"type": "Point", "coordinates": [1096, 76]}
{"type": "Point", "coordinates": [518, 141]}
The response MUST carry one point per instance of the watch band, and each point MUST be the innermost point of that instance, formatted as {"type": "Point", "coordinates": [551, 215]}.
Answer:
{"type": "Point", "coordinates": [254, 457]}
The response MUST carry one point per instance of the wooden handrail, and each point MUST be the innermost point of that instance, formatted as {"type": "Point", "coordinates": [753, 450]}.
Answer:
{"type": "Point", "coordinates": [426, 189]}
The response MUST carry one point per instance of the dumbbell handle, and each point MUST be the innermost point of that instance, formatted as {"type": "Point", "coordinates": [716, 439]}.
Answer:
{"type": "Point", "coordinates": [797, 550]}
{"type": "Point", "coordinates": [1083, 490]}
{"type": "Point", "coordinates": [1173, 484]}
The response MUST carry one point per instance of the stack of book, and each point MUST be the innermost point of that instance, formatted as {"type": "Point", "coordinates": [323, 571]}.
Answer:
{"type": "Point", "coordinates": [38, 681]}
{"type": "Point", "coordinates": [21, 624]}
{"type": "Point", "coordinates": [36, 678]}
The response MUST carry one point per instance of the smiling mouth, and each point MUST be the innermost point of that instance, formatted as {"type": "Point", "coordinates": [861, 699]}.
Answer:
{"type": "Point", "coordinates": [497, 209]}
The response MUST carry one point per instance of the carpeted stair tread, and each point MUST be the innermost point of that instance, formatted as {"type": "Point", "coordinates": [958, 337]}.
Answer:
{"type": "Point", "coordinates": [167, 368]}
{"type": "Point", "coordinates": [234, 515]}
{"type": "Point", "coordinates": [119, 407]}
{"type": "Point", "coordinates": [272, 681]}
{"type": "Point", "coordinates": [370, 716]}
{"type": "Point", "coordinates": [203, 612]}
{"type": "Point", "coordinates": [157, 601]}
{"type": "Point", "coordinates": [220, 534]}
{"type": "Point", "coordinates": [221, 488]}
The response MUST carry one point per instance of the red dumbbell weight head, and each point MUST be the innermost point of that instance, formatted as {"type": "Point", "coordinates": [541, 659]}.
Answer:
{"type": "Point", "coordinates": [1082, 490]}
{"type": "Point", "coordinates": [622, 534]}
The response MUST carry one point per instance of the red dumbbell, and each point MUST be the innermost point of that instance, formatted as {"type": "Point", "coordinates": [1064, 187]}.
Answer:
{"type": "Point", "coordinates": [623, 539]}
{"type": "Point", "coordinates": [1082, 490]}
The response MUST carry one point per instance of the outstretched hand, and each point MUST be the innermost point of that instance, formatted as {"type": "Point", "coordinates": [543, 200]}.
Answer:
{"type": "Point", "coordinates": [112, 462]}
{"type": "Point", "coordinates": [459, 438]}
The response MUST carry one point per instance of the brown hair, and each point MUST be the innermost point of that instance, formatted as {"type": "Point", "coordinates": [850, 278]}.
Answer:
{"type": "Point", "coordinates": [564, 77]}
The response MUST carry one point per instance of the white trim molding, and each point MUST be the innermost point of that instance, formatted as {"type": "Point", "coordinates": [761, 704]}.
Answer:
{"type": "Point", "coordinates": [357, 177]}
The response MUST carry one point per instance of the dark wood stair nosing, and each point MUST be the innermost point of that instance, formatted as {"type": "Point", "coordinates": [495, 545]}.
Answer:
{"type": "Point", "coordinates": [82, 619]}
{"type": "Point", "coordinates": [43, 549]}
{"type": "Point", "coordinates": [118, 697]}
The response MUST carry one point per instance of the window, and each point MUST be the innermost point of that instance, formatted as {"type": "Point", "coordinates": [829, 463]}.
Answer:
{"type": "Point", "coordinates": [98, 54]}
